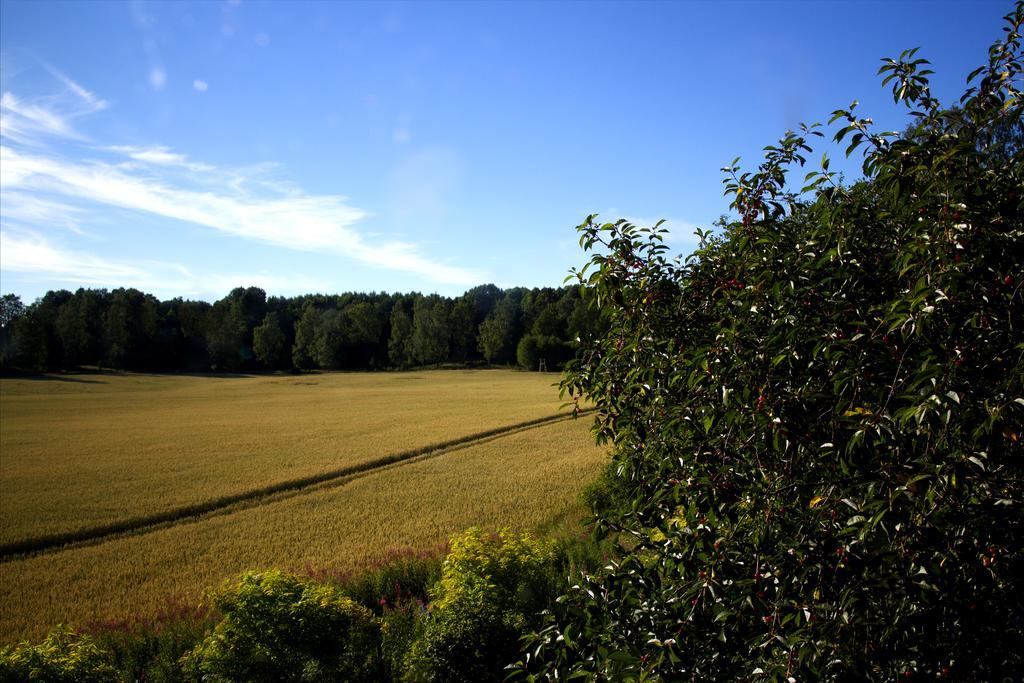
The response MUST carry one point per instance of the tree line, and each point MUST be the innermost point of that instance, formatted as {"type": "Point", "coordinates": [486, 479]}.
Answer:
{"type": "Point", "coordinates": [247, 330]}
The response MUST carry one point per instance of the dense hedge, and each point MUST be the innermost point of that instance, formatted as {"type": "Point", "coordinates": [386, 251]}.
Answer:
{"type": "Point", "coordinates": [818, 417]}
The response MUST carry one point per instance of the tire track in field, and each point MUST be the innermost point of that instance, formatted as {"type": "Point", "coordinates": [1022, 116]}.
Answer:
{"type": "Point", "coordinates": [263, 495]}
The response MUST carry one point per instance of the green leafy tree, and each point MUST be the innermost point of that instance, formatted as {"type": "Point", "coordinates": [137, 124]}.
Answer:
{"type": "Point", "coordinates": [363, 325]}
{"type": "Point", "coordinates": [430, 330]}
{"type": "Point", "coordinates": [329, 341]}
{"type": "Point", "coordinates": [817, 419]}
{"type": "Point", "coordinates": [548, 323]}
{"type": "Point", "coordinates": [268, 341]}
{"type": "Point", "coordinates": [305, 335]}
{"type": "Point", "coordinates": [400, 340]}
{"type": "Point", "coordinates": [11, 310]}
{"type": "Point", "coordinates": [483, 299]}
{"type": "Point", "coordinates": [79, 326]}
{"type": "Point", "coordinates": [462, 330]}
{"type": "Point", "coordinates": [231, 325]}
{"type": "Point", "coordinates": [533, 348]}
{"type": "Point", "coordinates": [499, 333]}
{"type": "Point", "coordinates": [128, 326]}
{"type": "Point", "coordinates": [30, 342]}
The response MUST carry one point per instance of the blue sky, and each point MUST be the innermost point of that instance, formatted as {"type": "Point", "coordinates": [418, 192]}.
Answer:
{"type": "Point", "coordinates": [188, 148]}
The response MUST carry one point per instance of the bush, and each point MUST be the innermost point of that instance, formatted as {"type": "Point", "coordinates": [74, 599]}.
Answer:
{"type": "Point", "coordinates": [402, 625]}
{"type": "Point", "coordinates": [492, 588]}
{"type": "Point", "coordinates": [278, 627]}
{"type": "Point", "coordinates": [817, 419]}
{"type": "Point", "coordinates": [400, 578]}
{"type": "Point", "coordinates": [398, 592]}
{"type": "Point", "coordinates": [63, 656]}
{"type": "Point", "coordinates": [609, 495]}
{"type": "Point", "coordinates": [533, 348]}
{"type": "Point", "coordinates": [151, 649]}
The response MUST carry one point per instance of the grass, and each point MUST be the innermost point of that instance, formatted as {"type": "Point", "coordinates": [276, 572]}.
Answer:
{"type": "Point", "coordinates": [527, 480]}
{"type": "Point", "coordinates": [82, 452]}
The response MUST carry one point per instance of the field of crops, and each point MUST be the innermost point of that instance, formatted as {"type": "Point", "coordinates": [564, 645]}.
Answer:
{"type": "Point", "coordinates": [114, 453]}
{"type": "Point", "coordinates": [83, 451]}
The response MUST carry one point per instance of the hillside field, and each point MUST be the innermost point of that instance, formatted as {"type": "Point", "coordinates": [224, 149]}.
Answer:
{"type": "Point", "coordinates": [78, 452]}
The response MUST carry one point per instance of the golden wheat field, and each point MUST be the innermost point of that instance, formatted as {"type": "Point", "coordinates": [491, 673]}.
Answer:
{"type": "Point", "coordinates": [528, 478]}
{"type": "Point", "coordinates": [81, 451]}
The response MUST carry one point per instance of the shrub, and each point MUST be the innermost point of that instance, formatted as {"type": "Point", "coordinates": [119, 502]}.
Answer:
{"type": "Point", "coordinates": [397, 591]}
{"type": "Point", "coordinates": [151, 648]}
{"type": "Point", "coordinates": [402, 624]}
{"type": "Point", "coordinates": [534, 347]}
{"type": "Point", "coordinates": [278, 627]}
{"type": "Point", "coordinates": [63, 656]}
{"type": "Point", "coordinates": [491, 590]}
{"type": "Point", "coordinates": [609, 494]}
{"type": "Point", "coordinates": [399, 578]}
{"type": "Point", "coordinates": [817, 419]}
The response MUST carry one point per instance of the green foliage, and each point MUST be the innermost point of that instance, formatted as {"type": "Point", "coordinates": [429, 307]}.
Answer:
{"type": "Point", "coordinates": [131, 330]}
{"type": "Point", "coordinates": [11, 310]}
{"type": "Point", "coordinates": [400, 342]}
{"type": "Point", "coordinates": [429, 343]}
{"type": "Point", "coordinates": [498, 333]}
{"type": "Point", "coordinates": [63, 657]}
{"type": "Point", "coordinates": [401, 627]}
{"type": "Point", "coordinates": [400, 578]}
{"type": "Point", "coordinates": [305, 336]}
{"type": "Point", "coordinates": [818, 417]}
{"type": "Point", "coordinates": [609, 494]}
{"type": "Point", "coordinates": [268, 341]}
{"type": "Point", "coordinates": [278, 627]}
{"type": "Point", "coordinates": [329, 340]}
{"type": "Point", "coordinates": [533, 348]}
{"type": "Point", "coordinates": [462, 330]}
{"type": "Point", "coordinates": [152, 654]}
{"type": "Point", "coordinates": [79, 327]}
{"type": "Point", "coordinates": [491, 589]}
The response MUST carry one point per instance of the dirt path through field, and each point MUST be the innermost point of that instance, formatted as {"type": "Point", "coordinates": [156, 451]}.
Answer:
{"type": "Point", "coordinates": [260, 496]}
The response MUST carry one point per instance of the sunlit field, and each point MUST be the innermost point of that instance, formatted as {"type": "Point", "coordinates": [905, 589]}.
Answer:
{"type": "Point", "coordinates": [529, 479]}
{"type": "Point", "coordinates": [83, 451]}
{"type": "Point", "coordinates": [86, 450]}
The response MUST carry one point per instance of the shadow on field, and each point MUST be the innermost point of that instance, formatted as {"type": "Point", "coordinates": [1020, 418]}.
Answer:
{"type": "Point", "coordinates": [57, 378]}
{"type": "Point", "coordinates": [91, 372]}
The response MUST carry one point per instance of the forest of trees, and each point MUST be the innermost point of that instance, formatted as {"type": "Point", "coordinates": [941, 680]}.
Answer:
{"type": "Point", "coordinates": [247, 330]}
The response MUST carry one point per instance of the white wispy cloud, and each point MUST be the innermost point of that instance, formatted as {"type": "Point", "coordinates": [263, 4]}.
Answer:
{"type": "Point", "coordinates": [32, 256]}
{"type": "Point", "coordinates": [27, 209]}
{"type": "Point", "coordinates": [200, 85]}
{"type": "Point", "coordinates": [242, 202]}
{"type": "Point", "coordinates": [26, 122]}
{"type": "Point", "coordinates": [160, 155]}
{"type": "Point", "coordinates": [89, 98]}
{"type": "Point", "coordinates": [34, 122]}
